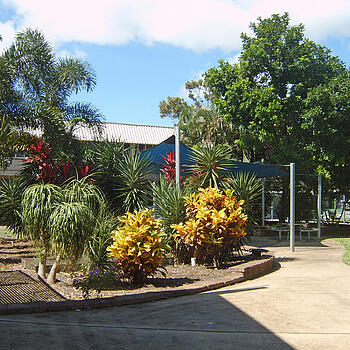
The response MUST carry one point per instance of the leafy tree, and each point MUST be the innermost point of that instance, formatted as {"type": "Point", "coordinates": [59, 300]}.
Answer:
{"type": "Point", "coordinates": [266, 95]}
{"type": "Point", "coordinates": [325, 120]}
{"type": "Point", "coordinates": [198, 119]}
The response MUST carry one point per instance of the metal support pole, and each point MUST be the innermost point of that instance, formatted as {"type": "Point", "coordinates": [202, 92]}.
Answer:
{"type": "Point", "coordinates": [263, 203]}
{"type": "Point", "coordinates": [292, 207]}
{"type": "Point", "coordinates": [177, 155]}
{"type": "Point", "coordinates": [263, 199]}
{"type": "Point", "coordinates": [319, 206]}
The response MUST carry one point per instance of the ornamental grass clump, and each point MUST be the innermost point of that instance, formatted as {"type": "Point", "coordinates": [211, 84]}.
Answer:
{"type": "Point", "coordinates": [215, 226]}
{"type": "Point", "coordinates": [138, 245]}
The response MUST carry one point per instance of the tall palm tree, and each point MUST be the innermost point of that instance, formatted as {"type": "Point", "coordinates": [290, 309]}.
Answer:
{"type": "Point", "coordinates": [42, 85]}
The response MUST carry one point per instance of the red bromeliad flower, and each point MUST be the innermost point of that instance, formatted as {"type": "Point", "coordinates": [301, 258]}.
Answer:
{"type": "Point", "coordinates": [169, 168]}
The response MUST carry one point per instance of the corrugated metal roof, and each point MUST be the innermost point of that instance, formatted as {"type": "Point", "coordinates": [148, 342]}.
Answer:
{"type": "Point", "coordinates": [128, 133]}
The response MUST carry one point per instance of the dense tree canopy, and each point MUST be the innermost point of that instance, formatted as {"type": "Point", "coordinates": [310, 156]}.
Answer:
{"type": "Point", "coordinates": [287, 96]}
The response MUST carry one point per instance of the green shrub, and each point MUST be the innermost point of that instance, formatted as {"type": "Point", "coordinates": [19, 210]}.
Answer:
{"type": "Point", "coordinates": [169, 205]}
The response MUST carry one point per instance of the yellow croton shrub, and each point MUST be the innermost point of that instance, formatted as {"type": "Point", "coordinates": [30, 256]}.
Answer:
{"type": "Point", "coordinates": [138, 245]}
{"type": "Point", "coordinates": [216, 223]}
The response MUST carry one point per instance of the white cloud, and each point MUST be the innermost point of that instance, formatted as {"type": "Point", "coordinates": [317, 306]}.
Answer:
{"type": "Point", "coordinates": [193, 24]}
{"type": "Point", "coordinates": [76, 53]}
{"type": "Point", "coordinates": [7, 32]}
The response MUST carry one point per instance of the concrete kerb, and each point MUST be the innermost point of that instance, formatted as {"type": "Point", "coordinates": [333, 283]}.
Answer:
{"type": "Point", "coordinates": [243, 272]}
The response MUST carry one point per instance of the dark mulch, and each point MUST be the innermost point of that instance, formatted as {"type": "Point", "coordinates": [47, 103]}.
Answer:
{"type": "Point", "coordinates": [176, 275]}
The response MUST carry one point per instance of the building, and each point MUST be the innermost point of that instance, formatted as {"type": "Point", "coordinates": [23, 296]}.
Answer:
{"type": "Point", "coordinates": [138, 137]}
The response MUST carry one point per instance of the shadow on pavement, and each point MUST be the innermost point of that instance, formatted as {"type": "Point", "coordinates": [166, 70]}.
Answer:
{"type": "Point", "coordinates": [203, 321]}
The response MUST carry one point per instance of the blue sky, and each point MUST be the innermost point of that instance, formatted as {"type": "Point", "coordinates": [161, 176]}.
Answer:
{"type": "Point", "coordinates": [145, 50]}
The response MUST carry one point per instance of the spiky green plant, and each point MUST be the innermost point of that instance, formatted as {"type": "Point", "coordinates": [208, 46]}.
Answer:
{"type": "Point", "coordinates": [38, 203]}
{"type": "Point", "coordinates": [11, 191]}
{"type": "Point", "coordinates": [134, 187]}
{"type": "Point", "coordinates": [100, 239]}
{"type": "Point", "coordinates": [248, 188]}
{"type": "Point", "coordinates": [70, 226]}
{"type": "Point", "coordinates": [104, 156]}
{"type": "Point", "coordinates": [85, 192]}
{"type": "Point", "coordinates": [169, 205]}
{"type": "Point", "coordinates": [211, 164]}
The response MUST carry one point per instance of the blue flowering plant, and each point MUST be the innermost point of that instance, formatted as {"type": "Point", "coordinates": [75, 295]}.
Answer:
{"type": "Point", "coordinates": [94, 280]}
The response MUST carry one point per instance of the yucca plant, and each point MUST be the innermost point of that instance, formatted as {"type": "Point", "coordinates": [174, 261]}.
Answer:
{"type": "Point", "coordinates": [138, 245]}
{"type": "Point", "coordinates": [248, 188]}
{"type": "Point", "coordinates": [134, 187]}
{"type": "Point", "coordinates": [105, 156]}
{"type": "Point", "coordinates": [210, 168]}
{"type": "Point", "coordinates": [214, 227]}
{"type": "Point", "coordinates": [11, 191]}
{"type": "Point", "coordinates": [70, 227]}
{"type": "Point", "coordinates": [38, 203]}
{"type": "Point", "coordinates": [85, 192]}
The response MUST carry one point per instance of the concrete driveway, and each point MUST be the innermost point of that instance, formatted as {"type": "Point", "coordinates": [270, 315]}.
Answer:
{"type": "Point", "coordinates": [303, 305]}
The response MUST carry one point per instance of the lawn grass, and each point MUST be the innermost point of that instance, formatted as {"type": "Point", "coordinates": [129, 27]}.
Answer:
{"type": "Point", "coordinates": [345, 241]}
{"type": "Point", "coordinates": [4, 231]}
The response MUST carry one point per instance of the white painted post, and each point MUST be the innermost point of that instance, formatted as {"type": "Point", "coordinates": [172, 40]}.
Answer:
{"type": "Point", "coordinates": [263, 203]}
{"type": "Point", "coordinates": [319, 205]}
{"type": "Point", "coordinates": [177, 155]}
{"type": "Point", "coordinates": [263, 200]}
{"type": "Point", "coordinates": [292, 207]}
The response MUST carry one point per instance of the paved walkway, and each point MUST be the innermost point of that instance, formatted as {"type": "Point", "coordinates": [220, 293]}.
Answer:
{"type": "Point", "coordinates": [303, 305]}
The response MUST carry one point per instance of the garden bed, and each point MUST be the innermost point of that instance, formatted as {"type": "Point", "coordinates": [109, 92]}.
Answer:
{"type": "Point", "coordinates": [178, 277]}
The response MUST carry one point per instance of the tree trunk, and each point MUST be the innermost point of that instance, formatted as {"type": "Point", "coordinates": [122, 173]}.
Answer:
{"type": "Point", "coordinates": [51, 279]}
{"type": "Point", "coordinates": [42, 265]}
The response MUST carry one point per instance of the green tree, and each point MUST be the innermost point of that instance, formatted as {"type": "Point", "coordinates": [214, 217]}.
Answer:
{"type": "Point", "coordinates": [264, 95]}
{"type": "Point", "coordinates": [325, 119]}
